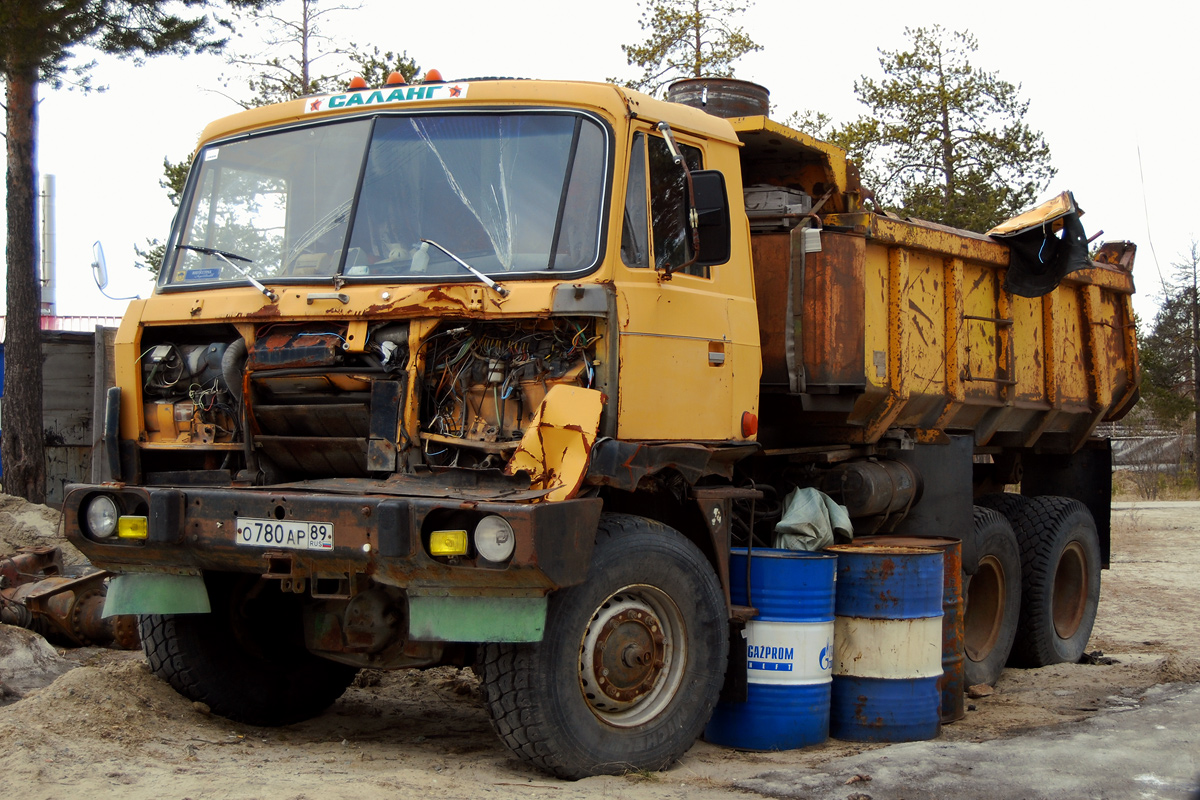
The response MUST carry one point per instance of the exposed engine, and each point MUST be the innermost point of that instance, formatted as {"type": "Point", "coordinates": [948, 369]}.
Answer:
{"type": "Point", "coordinates": [313, 406]}
{"type": "Point", "coordinates": [186, 398]}
{"type": "Point", "coordinates": [484, 381]}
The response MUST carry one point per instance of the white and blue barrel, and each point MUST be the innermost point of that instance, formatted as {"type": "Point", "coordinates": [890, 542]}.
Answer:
{"type": "Point", "coordinates": [887, 644]}
{"type": "Point", "coordinates": [789, 651]}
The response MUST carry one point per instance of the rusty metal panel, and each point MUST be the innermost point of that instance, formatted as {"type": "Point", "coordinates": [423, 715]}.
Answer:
{"type": "Point", "coordinates": [293, 348]}
{"type": "Point", "coordinates": [316, 455]}
{"type": "Point", "coordinates": [771, 253]}
{"type": "Point", "coordinates": [554, 450]}
{"type": "Point", "coordinates": [823, 317]}
{"type": "Point", "coordinates": [834, 323]}
{"type": "Point", "coordinates": [921, 235]}
{"type": "Point", "coordinates": [386, 400]}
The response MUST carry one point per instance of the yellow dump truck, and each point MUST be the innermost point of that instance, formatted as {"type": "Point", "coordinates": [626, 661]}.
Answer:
{"type": "Point", "coordinates": [497, 372]}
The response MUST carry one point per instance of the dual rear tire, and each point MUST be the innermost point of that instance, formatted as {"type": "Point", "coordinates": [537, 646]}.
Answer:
{"type": "Point", "coordinates": [1050, 556]}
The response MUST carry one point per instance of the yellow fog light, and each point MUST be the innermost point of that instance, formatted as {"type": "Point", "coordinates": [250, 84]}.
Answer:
{"type": "Point", "coordinates": [133, 528]}
{"type": "Point", "coordinates": [448, 543]}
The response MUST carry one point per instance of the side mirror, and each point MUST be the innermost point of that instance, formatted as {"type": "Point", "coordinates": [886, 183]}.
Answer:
{"type": "Point", "coordinates": [100, 273]}
{"type": "Point", "coordinates": [712, 216]}
{"type": "Point", "coordinates": [99, 268]}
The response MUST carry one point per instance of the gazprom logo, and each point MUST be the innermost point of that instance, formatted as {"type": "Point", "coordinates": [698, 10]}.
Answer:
{"type": "Point", "coordinates": [770, 659]}
{"type": "Point", "coordinates": [826, 657]}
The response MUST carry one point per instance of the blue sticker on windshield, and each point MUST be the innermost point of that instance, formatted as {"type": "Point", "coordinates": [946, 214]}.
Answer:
{"type": "Point", "coordinates": [211, 274]}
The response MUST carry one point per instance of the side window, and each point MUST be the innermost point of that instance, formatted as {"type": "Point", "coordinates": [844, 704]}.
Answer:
{"type": "Point", "coordinates": [672, 238]}
{"type": "Point", "coordinates": [635, 243]}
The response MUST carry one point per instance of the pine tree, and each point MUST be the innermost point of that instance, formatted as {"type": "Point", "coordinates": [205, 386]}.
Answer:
{"type": "Point", "coordinates": [943, 140]}
{"type": "Point", "coordinates": [687, 39]}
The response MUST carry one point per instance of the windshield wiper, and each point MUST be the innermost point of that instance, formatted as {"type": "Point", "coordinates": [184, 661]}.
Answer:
{"type": "Point", "coordinates": [491, 284]}
{"type": "Point", "coordinates": [228, 258]}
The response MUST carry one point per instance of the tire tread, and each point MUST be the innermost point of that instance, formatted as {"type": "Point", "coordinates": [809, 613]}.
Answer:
{"type": "Point", "coordinates": [512, 675]}
{"type": "Point", "coordinates": [1037, 527]}
{"type": "Point", "coordinates": [201, 661]}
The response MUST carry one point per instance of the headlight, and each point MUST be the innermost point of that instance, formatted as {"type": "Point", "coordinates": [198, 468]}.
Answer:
{"type": "Point", "coordinates": [494, 539]}
{"type": "Point", "coordinates": [102, 516]}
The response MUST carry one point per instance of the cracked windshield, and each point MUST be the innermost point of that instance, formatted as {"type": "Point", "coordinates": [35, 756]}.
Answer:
{"type": "Point", "coordinates": [505, 193]}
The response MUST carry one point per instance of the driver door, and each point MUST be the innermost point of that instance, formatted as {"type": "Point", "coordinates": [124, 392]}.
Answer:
{"type": "Point", "coordinates": [677, 356]}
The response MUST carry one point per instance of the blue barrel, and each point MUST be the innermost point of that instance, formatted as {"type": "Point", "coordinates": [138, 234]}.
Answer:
{"type": "Point", "coordinates": [789, 652]}
{"type": "Point", "coordinates": [887, 644]}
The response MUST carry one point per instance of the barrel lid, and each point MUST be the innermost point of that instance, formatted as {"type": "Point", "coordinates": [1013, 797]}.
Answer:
{"type": "Point", "coordinates": [773, 552]}
{"type": "Point", "coordinates": [879, 549]}
{"type": "Point", "coordinates": [906, 541]}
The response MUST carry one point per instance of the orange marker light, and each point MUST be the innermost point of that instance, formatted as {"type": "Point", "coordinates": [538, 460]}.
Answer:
{"type": "Point", "coordinates": [395, 79]}
{"type": "Point", "coordinates": [433, 76]}
{"type": "Point", "coordinates": [357, 82]}
{"type": "Point", "coordinates": [749, 424]}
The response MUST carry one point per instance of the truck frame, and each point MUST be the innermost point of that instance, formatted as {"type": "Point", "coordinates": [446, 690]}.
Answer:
{"type": "Point", "coordinates": [497, 372]}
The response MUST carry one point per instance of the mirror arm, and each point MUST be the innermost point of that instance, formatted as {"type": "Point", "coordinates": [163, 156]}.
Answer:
{"type": "Point", "coordinates": [693, 217]}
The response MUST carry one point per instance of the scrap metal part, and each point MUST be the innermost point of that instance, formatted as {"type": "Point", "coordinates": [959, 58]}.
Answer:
{"type": "Point", "coordinates": [35, 594]}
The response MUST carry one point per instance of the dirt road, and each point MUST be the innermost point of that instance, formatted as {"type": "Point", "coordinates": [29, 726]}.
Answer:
{"type": "Point", "coordinates": [109, 728]}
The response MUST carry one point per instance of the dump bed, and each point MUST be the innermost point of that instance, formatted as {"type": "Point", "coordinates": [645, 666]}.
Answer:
{"type": "Point", "coordinates": [899, 323]}
{"type": "Point", "coordinates": [903, 324]}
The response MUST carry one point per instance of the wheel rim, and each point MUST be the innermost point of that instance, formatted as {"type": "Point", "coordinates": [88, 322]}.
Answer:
{"type": "Point", "coordinates": [632, 655]}
{"type": "Point", "coordinates": [984, 613]}
{"type": "Point", "coordinates": [1070, 590]}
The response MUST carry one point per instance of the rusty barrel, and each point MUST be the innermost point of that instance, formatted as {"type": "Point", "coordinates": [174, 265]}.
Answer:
{"type": "Point", "coordinates": [789, 647]}
{"type": "Point", "coordinates": [721, 97]}
{"type": "Point", "coordinates": [887, 643]}
{"type": "Point", "coordinates": [952, 684]}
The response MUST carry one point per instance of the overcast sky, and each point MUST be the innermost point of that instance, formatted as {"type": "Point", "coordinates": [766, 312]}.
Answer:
{"type": "Point", "coordinates": [1105, 80]}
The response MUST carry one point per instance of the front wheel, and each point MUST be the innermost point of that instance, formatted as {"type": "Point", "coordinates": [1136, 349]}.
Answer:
{"type": "Point", "coordinates": [245, 659]}
{"type": "Point", "coordinates": [631, 663]}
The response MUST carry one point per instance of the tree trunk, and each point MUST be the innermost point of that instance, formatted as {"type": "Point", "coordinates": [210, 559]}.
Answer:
{"type": "Point", "coordinates": [1194, 313]}
{"type": "Point", "coordinates": [22, 442]}
{"type": "Point", "coordinates": [947, 142]}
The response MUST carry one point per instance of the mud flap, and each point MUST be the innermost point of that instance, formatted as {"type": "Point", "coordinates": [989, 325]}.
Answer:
{"type": "Point", "coordinates": [154, 593]}
{"type": "Point", "coordinates": [476, 619]}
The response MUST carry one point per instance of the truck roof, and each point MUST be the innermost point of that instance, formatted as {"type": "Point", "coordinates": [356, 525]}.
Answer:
{"type": "Point", "coordinates": [612, 101]}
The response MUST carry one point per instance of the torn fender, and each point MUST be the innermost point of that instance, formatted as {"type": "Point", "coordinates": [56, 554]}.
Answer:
{"type": "Point", "coordinates": [555, 449]}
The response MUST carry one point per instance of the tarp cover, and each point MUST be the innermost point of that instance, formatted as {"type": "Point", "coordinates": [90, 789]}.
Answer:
{"type": "Point", "coordinates": [1045, 244]}
{"type": "Point", "coordinates": [810, 520]}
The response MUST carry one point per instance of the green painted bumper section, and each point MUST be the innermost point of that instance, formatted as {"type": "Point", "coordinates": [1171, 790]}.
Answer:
{"type": "Point", "coordinates": [476, 619]}
{"type": "Point", "coordinates": [153, 593]}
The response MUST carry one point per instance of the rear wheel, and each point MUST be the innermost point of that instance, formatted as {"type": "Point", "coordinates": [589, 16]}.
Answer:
{"type": "Point", "coordinates": [1060, 591]}
{"type": "Point", "coordinates": [1008, 504]}
{"type": "Point", "coordinates": [993, 599]}
{"type": "Point", "coordinates": [246, 659]}
{"type": "Point", "coordinates": [631, 663]}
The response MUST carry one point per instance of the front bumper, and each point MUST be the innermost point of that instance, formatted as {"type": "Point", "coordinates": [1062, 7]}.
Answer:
{"type": "Point", "coordinates": [378, 537]}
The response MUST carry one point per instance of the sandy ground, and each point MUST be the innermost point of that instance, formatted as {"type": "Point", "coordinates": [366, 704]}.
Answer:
{"type": "Point", "coordinates": [108, 728]}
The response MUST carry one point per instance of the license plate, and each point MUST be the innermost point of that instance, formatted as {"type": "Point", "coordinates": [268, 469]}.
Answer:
{"type": "Point", "coordinates": [291, 534]}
